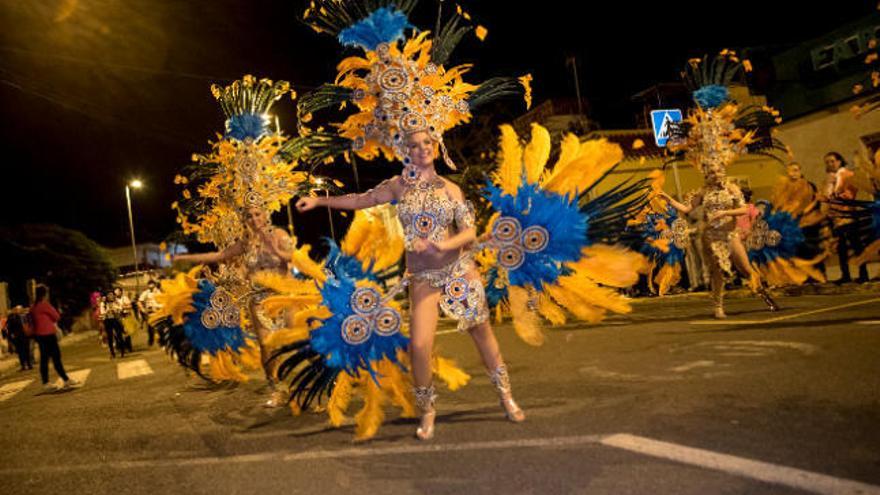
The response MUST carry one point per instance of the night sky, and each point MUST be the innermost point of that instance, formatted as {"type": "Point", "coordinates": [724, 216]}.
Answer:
{"type": "Point", "coordinates": [96, 92]}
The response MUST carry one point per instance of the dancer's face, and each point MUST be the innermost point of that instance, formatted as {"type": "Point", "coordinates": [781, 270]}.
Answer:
{"type": "Point", "coordinates": [421, 148]}
{"type": "Point", "coordinates": [255, 218]}
{"type": "Point", "coordinates": [794, 172]}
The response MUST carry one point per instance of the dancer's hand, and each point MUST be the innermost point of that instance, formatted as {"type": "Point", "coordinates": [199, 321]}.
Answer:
{"type": "Point", "coordinates": [306, 204]}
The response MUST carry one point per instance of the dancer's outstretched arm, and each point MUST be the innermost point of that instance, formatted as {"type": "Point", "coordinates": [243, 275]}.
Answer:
{"type": "Point", "coordinates": [227, 254]}
{"type": "Point", "coordinates": [683, 208]}
{"type": "Point", "coordinates": [383, 193]}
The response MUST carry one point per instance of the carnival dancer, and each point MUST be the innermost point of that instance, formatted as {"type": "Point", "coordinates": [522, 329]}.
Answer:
{"type": "Point", "coordinates": [406, 99]}
{"type": "Point", "coordinates": [227, 201]}
{"type": "Point", "coordinates": [715, 133]}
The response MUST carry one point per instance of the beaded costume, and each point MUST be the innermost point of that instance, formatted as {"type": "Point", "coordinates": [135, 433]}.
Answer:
{"type": "Point", "coordinates": [247, 168]}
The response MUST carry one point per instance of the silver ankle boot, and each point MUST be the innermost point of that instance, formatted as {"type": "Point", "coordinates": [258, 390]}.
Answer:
{"type": "Point", "coordinates": [425, 398]}
{"type": "Point", "coordinates": [501, 380]}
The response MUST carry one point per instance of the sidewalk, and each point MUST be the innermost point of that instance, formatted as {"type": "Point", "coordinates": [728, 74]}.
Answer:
{"type": "Point", "coordinates": [10, 362]}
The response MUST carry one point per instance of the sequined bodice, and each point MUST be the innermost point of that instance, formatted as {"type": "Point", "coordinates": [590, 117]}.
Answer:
{"type": "Point", "coordinates": [718, 199]}
{"type": "Point", "coordinates": [259, 258]}
{"type": "Point", "coordinates": [426, 211]}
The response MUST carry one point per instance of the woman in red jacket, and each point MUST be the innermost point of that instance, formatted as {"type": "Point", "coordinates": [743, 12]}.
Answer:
{"type": "Point", "coordinates": [45, 321]}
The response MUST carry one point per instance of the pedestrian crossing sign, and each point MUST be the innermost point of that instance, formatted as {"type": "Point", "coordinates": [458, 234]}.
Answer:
{"type": "Point", "coordinates": [661, 119]}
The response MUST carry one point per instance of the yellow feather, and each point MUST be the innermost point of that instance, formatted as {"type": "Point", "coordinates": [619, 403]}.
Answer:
{"type": "Point", "coordinates": [275, 305]}
{"type": "Point", "coordinates": [615, 266]}
{"type": "Point", "coordinates": [301, 261]}
{"type": "Point", "coordinates": [398, 385]}
{"type": "Point", "coordinates": [869, 255]}
{"type": "Point", "coordinates": [574, 304]}
{"type": "Point", "coordinates": [525, 321]}
{"type": "Point", "coordinates": [509, 173]}
{"type": "Point", "coordinates": [249, 357]}
{"type": "Point", "coordinates": [667, 277]}
{"type": "Point", "coordinates": [550, 310]}
{"type": "Point", "coordinates": [370, 417]}
{"type": "Point", "coordinates": [594, 295]}
{"type": "Point", "coordinates": [536, 153]}
{"type": "Point", "coordinates": [450, 373]}
{"type": "Point", "coordinates": [569, 149]}
{"type": "Point", "coordinates": [594, 159]}
{"type": "Point", "coordinates": [339, 399]}
{"type": "Point", "coordinates": [285, 336]}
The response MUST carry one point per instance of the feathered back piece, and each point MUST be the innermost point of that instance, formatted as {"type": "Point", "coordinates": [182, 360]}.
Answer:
{"type": "Point", "coordinates": [555, 245]}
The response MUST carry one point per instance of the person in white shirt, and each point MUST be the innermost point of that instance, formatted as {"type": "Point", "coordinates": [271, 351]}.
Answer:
{"type": "Point", "coordinates": [148, 305]}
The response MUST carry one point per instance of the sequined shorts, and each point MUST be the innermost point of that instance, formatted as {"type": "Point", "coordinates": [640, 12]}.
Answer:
{"type": "Point", "coordinates": [461, 299]}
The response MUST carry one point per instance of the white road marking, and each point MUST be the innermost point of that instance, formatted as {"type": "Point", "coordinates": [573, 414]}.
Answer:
{"type": "Point", "coordinates": [785, 317]}
{"type": "Point", "coordinates": [760, 346]}
{"type": "Point", "coordinates": [740, 466]}
{"type": "Point", "coordinates": [131, 369]}
{"type": "Point", "coordinates": [690, 366]}
{"type": "Point", "coordinates": [9, 390]}
{"type": "Point", "coordinates": [79, 375]}
{"type": "Point", "coordinates": [868, 322]}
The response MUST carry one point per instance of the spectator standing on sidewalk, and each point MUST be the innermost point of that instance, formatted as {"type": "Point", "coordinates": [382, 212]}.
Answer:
{"type": "Point", "coordinates": [45, 320]}
{"type": "Point", "coordinates": [18, 331]}
{"type": "Point", "coordinates": [839, 185]}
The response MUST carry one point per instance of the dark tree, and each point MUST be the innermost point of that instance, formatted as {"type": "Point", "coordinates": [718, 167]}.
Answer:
{"type": "Point", "coordinates": [71, 264]}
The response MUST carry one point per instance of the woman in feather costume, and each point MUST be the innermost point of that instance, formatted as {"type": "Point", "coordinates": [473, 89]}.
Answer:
{"type": "Point", "coordinates": [405, 99]}
{"type": "Point", "coordinates": [246, 176]}
{"type": "Point", "coordinates": [715, 133]}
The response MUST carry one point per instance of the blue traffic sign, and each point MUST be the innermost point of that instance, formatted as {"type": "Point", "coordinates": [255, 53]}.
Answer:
{"type": "Point", "coordinates": [661, 120]}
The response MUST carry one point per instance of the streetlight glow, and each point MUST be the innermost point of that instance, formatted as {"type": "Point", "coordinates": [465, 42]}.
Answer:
{"type": "Point", "coordinates": [136, 184]}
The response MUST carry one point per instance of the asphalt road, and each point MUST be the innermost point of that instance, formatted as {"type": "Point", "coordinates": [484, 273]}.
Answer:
{"type": "Point", "coordinates": [659, 401]}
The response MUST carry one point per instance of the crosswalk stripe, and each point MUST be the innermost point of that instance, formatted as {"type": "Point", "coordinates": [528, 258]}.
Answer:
{"type": "Point", "coordinates": [131, 369]}
{"type": "Point", "coordinates": [79, 375]}
{"type": "Point", "coordinates": [9, 390]}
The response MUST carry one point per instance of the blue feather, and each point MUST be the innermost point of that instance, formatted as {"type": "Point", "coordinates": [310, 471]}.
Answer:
{"type": "Point", "coordinates": [345, 272]}
{"type": "Point", "coordinates": [711, 96]}
{"type": "Point", "coordinates": [792, 237]}
{"type": "Point", "coordinates": [650, 231]}
{"type": "Point", "coordinates": [211, 340]}
{"type": "Point", "coordinates": [247, 125]}
{"type": "Point", "coordinates": [566, 225]}
{"type": "Point", "coordinates": [494, 294]}
{"type": "Point", "coordinates": [384, 25]}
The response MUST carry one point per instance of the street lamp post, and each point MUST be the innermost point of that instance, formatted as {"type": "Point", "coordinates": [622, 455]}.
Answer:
{"type": "Point", "coordinates": [135, 184]}
{"type": "Point", "coordinates": [320, 182]}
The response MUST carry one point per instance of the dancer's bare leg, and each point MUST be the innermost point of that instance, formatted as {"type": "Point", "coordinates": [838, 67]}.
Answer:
{"type": "Point", "coordinates": [424, 311]}
{"type": "Point", "coordinates": [716, 281]}
{"type": "Point", "coordinates": [276, 398]}
{"type": "Point", "coordinates": [490, 353]}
